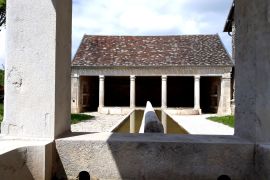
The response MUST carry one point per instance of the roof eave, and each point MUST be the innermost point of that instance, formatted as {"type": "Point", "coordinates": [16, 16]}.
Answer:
{"type": "Point", "coordinates": [230, 19]}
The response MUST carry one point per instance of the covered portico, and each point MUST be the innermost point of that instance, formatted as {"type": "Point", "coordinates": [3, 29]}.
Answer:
{"type": "Point", "coordinates": [219, 99]}
{"type": "Point", "coordinates": [166, 70]}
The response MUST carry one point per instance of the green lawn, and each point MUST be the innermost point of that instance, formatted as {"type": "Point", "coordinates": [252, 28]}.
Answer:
{"type": "Point", "coordinates": [227, 120]}
{"type": "Point", "coordinates": [76, 118]}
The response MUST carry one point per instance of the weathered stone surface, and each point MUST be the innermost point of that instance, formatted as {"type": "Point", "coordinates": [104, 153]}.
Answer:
{"type": "Point", "coordinates": [262, 161]}
{"type": "Point", "coordinates": [37, 88]}
{"type": "Point", "coordinates": [25, 159]}
{"type": "Point", "coordinates": [252, 70]}
{"type": "Point", "coordinates": [156, 156]}
{"type": "Point", "coordinates": [224, 107]}
{"type": "Point", "coordinates": [75, 94]}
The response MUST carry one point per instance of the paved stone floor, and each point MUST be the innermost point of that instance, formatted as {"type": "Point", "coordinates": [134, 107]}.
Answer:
{"type": "Point", "coordinates": [198, 124]}
{"type": "Point", "coordinates": [100, 123]}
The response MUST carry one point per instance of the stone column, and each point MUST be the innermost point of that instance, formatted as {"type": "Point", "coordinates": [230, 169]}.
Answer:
{"type": "Point", "coordinates": [101, 91]}
{"type": "Point", "coordinates": [132, 92]}
{"type": "Point", "coordinates": [225, 95]}
{"type": "Point", "coordinates": [197, 93]}
{"type": "Point", "coordinates": [164, 91]}
{"type": "Point", "coordinates": [75, 94]}
{"type": "Point", "coordinates": [132, 123]}
{"type": "Point", "coordinates": [164, 121]}
{"type": "Point", "coordinates": [37, 81]}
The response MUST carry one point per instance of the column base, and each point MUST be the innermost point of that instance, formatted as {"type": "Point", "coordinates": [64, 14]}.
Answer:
{"type": "Point", "coordinates": [75, 110]}
{"type": "Point", "coordinates": [103, 110]}
{"type": "Point", "coordinates": [199, 110]}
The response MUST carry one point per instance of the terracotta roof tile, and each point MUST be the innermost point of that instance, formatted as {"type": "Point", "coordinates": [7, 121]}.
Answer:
{"type": "Point", "coordinates": [187, 50]}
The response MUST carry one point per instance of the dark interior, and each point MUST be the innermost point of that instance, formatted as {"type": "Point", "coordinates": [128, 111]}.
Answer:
{"type": "Point", "coordinates": [117, 91]}
{"type": "Point", "coordinates": [210, 93]}
{"type": "Point", "coordinates": [90, 92]}
{"type": "Point", "coordinates": [180, 92]}
{"type": "Point", "coordinates": [148, 89]}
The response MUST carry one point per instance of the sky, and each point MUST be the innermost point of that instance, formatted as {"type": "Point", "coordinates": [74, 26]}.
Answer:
{"type": "Point", "coordinates": [145, 17]}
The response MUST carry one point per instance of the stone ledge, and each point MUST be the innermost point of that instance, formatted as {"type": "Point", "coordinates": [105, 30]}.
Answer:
{"type": "Point", "coordinates": [9, 143]}
{"type": "Point", "coordinates": [25, 159]}
{"type": "Point", "coordinates": [138, 156]}
{"type": "Point", "coordinates": [148, 137]}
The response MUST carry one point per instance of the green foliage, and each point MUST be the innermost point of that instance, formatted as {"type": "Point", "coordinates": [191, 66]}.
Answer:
{"type": "Point", "coordinates": [76, 118]}
{"type": "Point", "coordinates": [2, 13]}
{"type": "Point", "coordinates": [2, 77]}
{"type": "Point", "coordinates": [227, 120]}
{"type": "Point", "coordinates": [2, 3]}
{"type": "Point", "coordinates": [1, 112]}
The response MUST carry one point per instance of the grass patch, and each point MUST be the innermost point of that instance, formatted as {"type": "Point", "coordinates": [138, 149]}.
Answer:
{"type": "Point", "coordinates": [227, 120]}
{"type": "Point", "coordinates": [76, 118]}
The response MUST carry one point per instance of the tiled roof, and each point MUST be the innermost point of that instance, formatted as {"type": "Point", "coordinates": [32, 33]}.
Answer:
{"type": "Point", "coordinates": [187, 50]}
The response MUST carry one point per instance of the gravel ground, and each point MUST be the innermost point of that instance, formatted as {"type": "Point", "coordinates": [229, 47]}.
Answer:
{"type": "Point", "coordinates": [99, 123]}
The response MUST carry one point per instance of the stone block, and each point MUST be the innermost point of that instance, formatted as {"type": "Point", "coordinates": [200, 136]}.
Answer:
{"type": "Point", "coordinates": [156, 156]}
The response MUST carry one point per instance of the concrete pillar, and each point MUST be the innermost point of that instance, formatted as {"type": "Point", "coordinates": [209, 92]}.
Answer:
{"type": "Point", "coordinates": [197, 93]}
{"type": "Point", "coordinates": [252, 70]}
{"type": "Point", "coordinates": [37, 81]}
{"type": "Point", "coordinates": [132, 91]}
{"type": "Point", "coordinates": [132, 125]}
{"type": "Point", "coordinates": [101, 91]}
{"type": "Point", "coordinates": [225, 95]}
{"type": "Point", "coordinates": [75, 94]}
{"type": "Point", "coordinates": [164, 91]}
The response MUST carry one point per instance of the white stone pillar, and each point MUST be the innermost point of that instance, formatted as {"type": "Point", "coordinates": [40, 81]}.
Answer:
{"type": "Point", "coordinates": [164, 121]}
{"type": "Point", "coordinates": [197, 93]}
{"type": "Point", "coordinates": [75, 94]}
{"type": "Point", "coordinates": [164, 91]}
{"type": "Point", "coordinates": [252, 71]}
{"type": "Point", "coordinates": [132, 92]}
{"type": "Point", "coordinates": [37, 81]}
{"type": "Point", "coordinates": [132, 124]}
{"type": "Point", "coordinates": [225, 95]}
{"type": "Point", "coordinates": [101, 91]}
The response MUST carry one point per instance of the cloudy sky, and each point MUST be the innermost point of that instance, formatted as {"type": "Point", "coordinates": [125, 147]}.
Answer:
{"type": "Point", "coordinates": [145, 17]}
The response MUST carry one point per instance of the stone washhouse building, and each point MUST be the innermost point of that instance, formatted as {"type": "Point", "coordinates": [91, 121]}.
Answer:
{"type": "Point", "coordinates": [186, 74]}
{"type": "Point", "coordinates": [36, 141]}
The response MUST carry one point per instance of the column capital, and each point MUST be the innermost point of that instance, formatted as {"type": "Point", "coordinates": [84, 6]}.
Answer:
{"type": "Point", "coordinates": [101, 77]}
{"type": "Point", "coordinates": [197, 77]}
{"type": "Point", "coordinates": [75, 75]}
{"type": "Point", "coordinates": [226, 76]}
{"type": "Point", "coordinates": [164, 77]}
{"type": "Point", "coordinates": [132, 77]}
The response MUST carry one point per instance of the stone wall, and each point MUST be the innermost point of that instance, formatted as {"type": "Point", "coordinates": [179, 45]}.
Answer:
{"type": "Point", "coordinates": [156, 156]}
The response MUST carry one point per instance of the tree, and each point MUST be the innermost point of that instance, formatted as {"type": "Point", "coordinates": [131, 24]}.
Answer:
{"type": "Point", "coordinates": [2, 13]}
